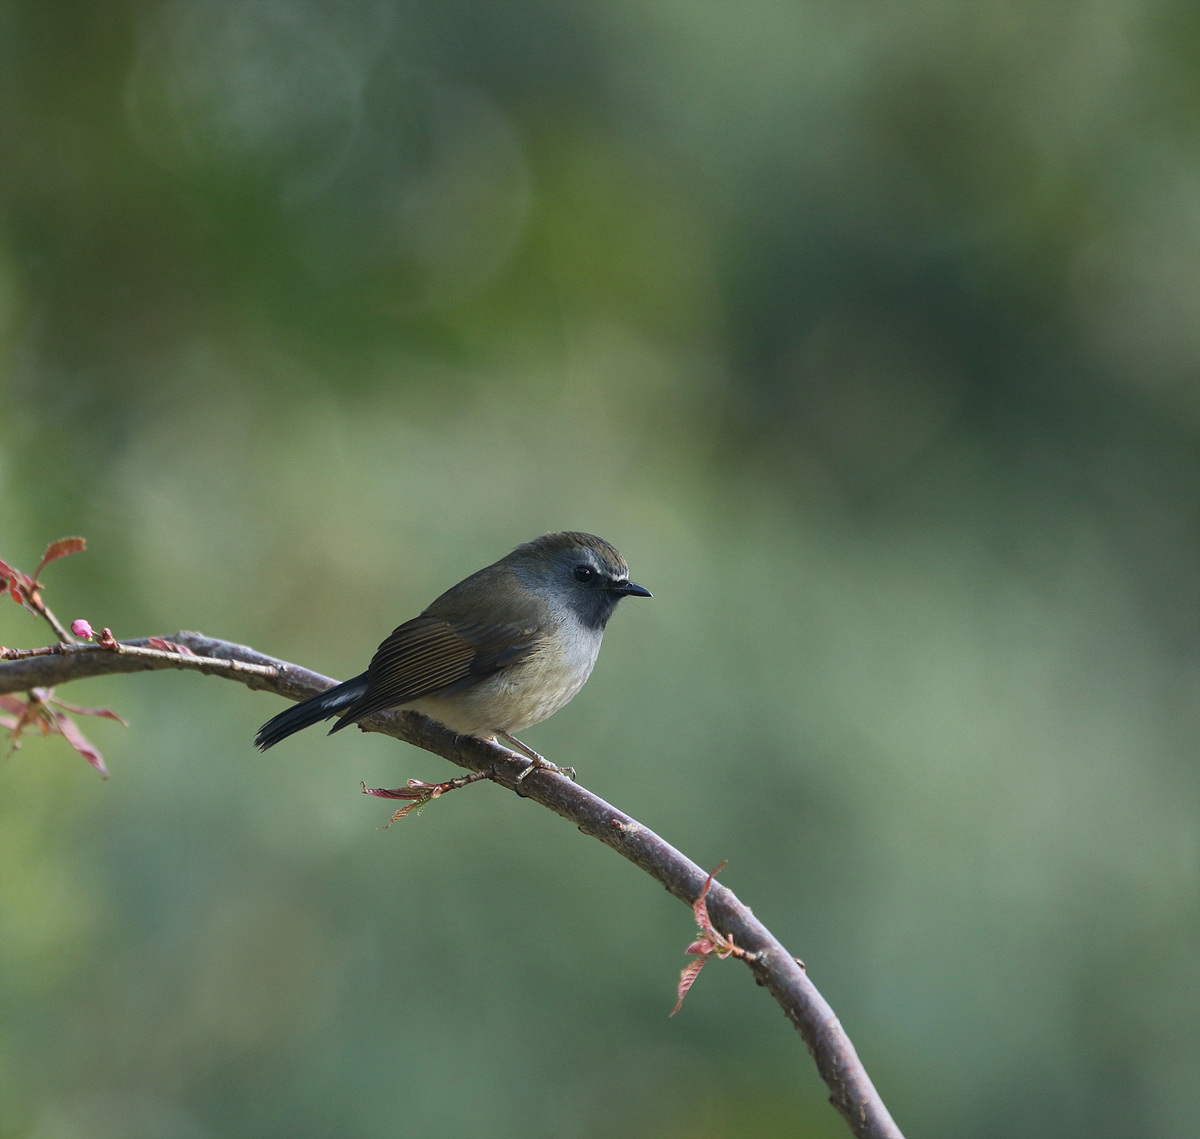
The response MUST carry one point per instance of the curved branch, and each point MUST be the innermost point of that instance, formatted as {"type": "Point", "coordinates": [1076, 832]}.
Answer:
{"type": "Point", "coordinates": [852, 1092]}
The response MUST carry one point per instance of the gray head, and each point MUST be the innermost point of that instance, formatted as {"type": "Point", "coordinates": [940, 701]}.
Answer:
{"type": "Point", "coordinates": [588, 574]}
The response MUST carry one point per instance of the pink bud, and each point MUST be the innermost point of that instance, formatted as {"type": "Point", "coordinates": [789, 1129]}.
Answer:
{"type": "Point", "coordinates": [82, 629]}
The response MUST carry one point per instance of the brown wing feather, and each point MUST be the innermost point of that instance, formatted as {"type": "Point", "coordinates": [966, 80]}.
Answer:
{"type": "Point", "coordinates": [429, 654]}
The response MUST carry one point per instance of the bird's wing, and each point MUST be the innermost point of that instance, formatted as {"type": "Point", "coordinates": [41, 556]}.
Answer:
{"type": "Point", "coordinates": [430, 654]}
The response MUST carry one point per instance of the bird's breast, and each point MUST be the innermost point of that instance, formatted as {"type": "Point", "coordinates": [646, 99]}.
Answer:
{"type": "Point", "coordinates": [524, 693]}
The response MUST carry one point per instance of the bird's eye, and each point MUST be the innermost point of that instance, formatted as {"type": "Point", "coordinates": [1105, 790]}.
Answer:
{"type": "Point", "coordinates": [584, 573]}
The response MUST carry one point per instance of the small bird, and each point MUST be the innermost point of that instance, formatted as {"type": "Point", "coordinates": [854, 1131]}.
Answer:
{"type": "Point", "coordinates": [501, 650]}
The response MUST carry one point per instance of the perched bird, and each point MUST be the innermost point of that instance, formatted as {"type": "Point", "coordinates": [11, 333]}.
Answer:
{"type": "Point", "coordinates": [501, 650]}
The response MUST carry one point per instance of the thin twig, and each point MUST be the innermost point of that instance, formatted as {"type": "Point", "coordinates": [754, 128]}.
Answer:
{"type": "Point", "coordinates": [135, 651]}
{"type": "Point", "coordinates": [23, 654]}
{"type": "Point", "coordinates": [852, 1092]}
{"type": "Point", "coordinates": [60, 630]}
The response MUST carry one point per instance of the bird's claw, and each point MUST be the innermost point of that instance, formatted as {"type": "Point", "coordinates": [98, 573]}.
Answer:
{"type": "Point", "coordinates": [540, 764]}
{"type": "Point", "coordinates": [536, 762]}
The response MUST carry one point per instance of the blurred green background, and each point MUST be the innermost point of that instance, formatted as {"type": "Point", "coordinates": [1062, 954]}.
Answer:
{"type": "Point", "coordinates": [869, 333]}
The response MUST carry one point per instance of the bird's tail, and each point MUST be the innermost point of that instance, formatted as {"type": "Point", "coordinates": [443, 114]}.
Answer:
{"type": "Point", "coordinates": [311, 711]}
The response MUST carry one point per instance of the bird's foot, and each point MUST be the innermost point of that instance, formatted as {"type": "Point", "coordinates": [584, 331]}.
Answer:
{"type": "Point", "coordinates": [538, 762]}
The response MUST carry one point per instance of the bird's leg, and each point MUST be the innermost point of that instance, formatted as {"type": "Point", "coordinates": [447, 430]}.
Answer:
{"type": "Point", "coordinates": [539, 762]}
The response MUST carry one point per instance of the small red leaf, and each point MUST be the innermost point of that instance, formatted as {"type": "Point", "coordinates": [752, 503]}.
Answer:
{"type": "Point", "coordinates": [59, 549]}
{"type": "Point", "coordinates": [687, 979]}
{"type": "Point", "coordinates": [11, 572]}
{"type": "Point", "coordinates": [28, 712]}
{"type": "Point", "coordinates": [165, 646]}
{"type": "Point", "coordinates": [710, 941]}
{"type": "Point", "coordinates": [404, 811]}
{"type": "Point", "coordinates": [416, 789]}
{"type": "Point", "coordinates": [18, 585]}
{"type": "Point", "coordinates": [36, 712]}
{"type": "Point", "coordinates": [79, 742]}
{"type": "Point", "coordinates": [106, 713]}
{"type": "Point", "coordinates": [700, 905]}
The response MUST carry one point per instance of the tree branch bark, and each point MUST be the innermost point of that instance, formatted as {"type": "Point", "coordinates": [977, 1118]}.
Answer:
{"type": "Point", "coordinates": [851, 1090]}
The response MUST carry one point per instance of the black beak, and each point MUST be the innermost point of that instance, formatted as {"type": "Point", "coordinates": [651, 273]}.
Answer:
{"type": "Point", "coordinates": [628, 589]}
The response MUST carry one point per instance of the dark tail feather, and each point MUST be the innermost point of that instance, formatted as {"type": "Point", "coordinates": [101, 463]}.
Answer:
{"type": "Point", "coordinates": [311, 711]}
